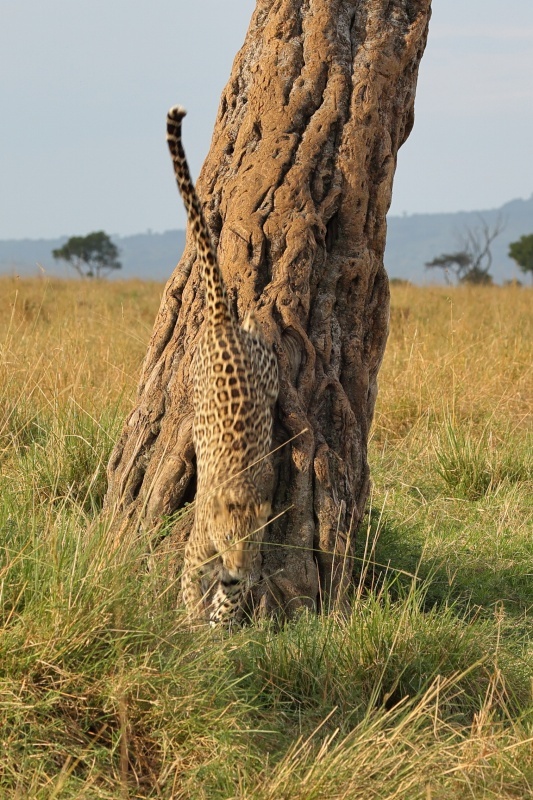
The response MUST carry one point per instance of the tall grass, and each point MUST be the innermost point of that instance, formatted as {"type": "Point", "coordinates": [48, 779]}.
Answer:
{"type": "Point", "coordinates": [422, 690]}
{"type": "Point", "coordinates": [460, 354]}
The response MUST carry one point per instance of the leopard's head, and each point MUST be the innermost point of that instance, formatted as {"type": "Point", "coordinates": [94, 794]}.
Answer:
{"type": "Point", "coordinates": [238, 519]}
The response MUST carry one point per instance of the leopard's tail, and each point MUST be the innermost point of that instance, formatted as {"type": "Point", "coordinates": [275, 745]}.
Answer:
{"type": "Point", "coordinates": [217, 303]}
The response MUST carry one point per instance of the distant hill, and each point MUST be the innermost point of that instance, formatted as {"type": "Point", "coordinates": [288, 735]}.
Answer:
{"type": "Point", "coordinates": [411, 241]}
{"type": "Point", "coordinates": [150, 256]}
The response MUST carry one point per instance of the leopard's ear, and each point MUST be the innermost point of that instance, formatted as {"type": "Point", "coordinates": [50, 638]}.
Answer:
{"type": "Point", "coordinates": [265, 510]}
{"type": "Point", "coordinates": [250, 324]}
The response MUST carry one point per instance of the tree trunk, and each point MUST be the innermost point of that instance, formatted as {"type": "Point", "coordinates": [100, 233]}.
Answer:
{"type": "Point", "coordinates": [295, 191]}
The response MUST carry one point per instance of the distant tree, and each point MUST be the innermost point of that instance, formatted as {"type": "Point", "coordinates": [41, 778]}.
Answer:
{"type": "Point", "coordinates": [472, 263]}
{"type": "Point", "coordinates": [92, 256]}
{"type": "Point", "coordinates": [522, 252]}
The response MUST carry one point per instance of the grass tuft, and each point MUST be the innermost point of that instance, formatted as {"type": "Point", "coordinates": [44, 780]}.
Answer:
{"type": "Point", "coordinates": [474, 465]}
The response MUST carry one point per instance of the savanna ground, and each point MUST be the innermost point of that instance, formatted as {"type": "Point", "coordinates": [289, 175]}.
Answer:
{"type": "Point", "coordinates": [423, 691]}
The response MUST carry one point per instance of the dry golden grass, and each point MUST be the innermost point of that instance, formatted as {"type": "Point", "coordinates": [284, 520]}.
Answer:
{"type": "Point", "coordinates": [461, 353]}
{"type": "Point", "coordinates": [75, 339]}
{"type": "Point", "coordinates": [464, 354]}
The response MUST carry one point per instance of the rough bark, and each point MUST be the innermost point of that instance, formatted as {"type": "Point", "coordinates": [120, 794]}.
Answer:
{"type": "Point", "coordinates": [295, 188]}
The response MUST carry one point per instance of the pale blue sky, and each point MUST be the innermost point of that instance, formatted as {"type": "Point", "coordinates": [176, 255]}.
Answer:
{"type": "Point", "coordinates": [85, 86]}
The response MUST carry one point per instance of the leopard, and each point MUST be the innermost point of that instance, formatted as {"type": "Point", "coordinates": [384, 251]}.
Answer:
{"type": "Point", "coordinates": [235, 386]}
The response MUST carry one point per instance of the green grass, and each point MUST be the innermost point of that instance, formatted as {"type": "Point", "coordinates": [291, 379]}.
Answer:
{"type": "Point", "coordinates": [103, 688]}
{"type": "Point", "coordinates": [473, 465]}
{"type": "Point", "coordinates": [422, 689]}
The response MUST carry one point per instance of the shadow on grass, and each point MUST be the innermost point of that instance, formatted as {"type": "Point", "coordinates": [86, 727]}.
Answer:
{"type": "Point", "coordinates": [470, 578]}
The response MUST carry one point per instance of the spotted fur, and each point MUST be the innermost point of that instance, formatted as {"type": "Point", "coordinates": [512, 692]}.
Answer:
{"type": "Point", "coordinates": [235, 383]}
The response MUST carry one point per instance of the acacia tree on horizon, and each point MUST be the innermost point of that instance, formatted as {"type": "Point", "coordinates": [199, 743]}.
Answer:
{"type": "Point", "coordinates": [521, 252]}
{"type": "Point", "coordinates": [472, 263]}
{"type": "Point", "coordinates": [92, 256]}
{"type": "Point", "coordinates": [295, 190]}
